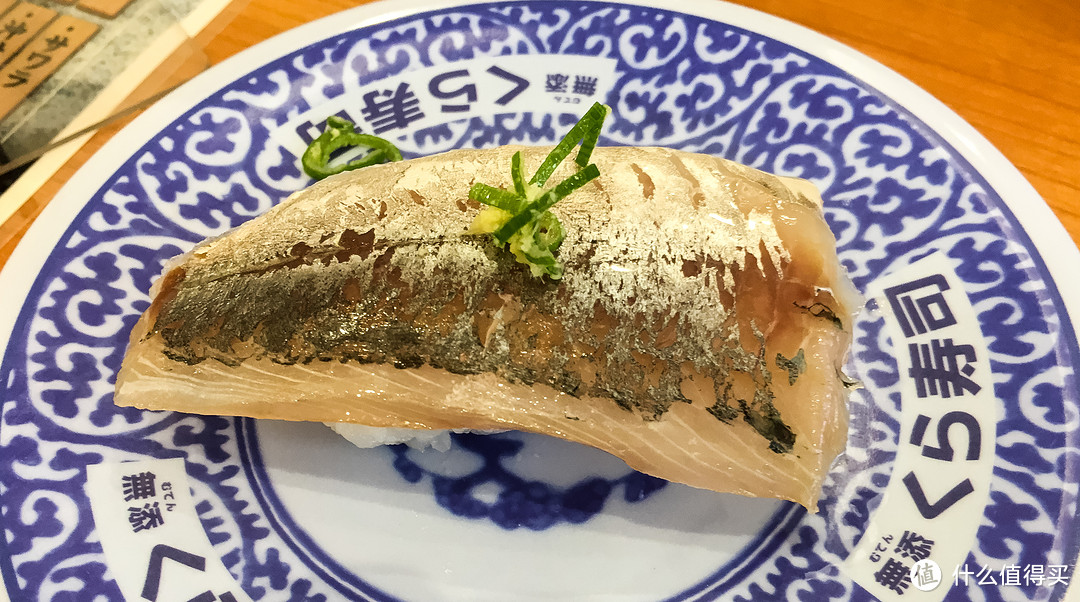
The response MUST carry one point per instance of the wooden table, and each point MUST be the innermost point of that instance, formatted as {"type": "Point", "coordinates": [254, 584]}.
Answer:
{"type": "Point", "coordinates": [1010, 69]}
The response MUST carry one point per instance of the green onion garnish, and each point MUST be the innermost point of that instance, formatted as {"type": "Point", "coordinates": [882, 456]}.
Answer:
{"type": "Point", "coordinates": [496, 197]}
{"type": "Point", "coordinates": [586, 130]}
{"type": "Point", "coordinates": [522, 218]}
{"type": "Point", "coordinates": [517, 174]}
{"type": "Point", "coordinates": [340, 133]}
{"type": "Point", "coordinates": [534, 210]}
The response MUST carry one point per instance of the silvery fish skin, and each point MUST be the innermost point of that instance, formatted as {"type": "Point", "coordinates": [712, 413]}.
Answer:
{"type": "Point", "coordinates": [698, 331]}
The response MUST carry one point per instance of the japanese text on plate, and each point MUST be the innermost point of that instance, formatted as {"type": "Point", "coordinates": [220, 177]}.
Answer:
{"type": "Point", "coordinates": [934, 501]}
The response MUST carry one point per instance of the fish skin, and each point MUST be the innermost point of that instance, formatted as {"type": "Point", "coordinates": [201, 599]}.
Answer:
{"type": "Point", "coordinates": [690, 284]}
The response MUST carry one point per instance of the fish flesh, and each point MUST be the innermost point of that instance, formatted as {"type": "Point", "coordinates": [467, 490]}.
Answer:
{"type": "Point", "coordinates": [698, 331]}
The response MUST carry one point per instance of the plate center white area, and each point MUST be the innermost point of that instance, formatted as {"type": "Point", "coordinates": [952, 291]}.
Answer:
{"type": "Point", "coordinates": [368, 520]}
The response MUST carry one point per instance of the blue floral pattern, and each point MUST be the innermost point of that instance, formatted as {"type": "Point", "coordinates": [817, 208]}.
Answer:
{"type": "Point", "coordinates": [895, 192]}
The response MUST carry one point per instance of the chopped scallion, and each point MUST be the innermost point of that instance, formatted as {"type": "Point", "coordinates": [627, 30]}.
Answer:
{"type": "Point", "coordinates": [340, 133]}
{"type": "Point", "coordinates": [495, 197]}
{"type": "Point", "coordinates": [521, 219]}
{"type": "Point", "coordinates": [517, 174]}
{"type": "Point", "coordinates": [540, 206]}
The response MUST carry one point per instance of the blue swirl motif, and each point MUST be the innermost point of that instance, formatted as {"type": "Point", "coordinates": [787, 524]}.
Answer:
{"type": "Point", "coordinates": [895, 193]}
{"type": "Point", "coordinates": [518, 502]}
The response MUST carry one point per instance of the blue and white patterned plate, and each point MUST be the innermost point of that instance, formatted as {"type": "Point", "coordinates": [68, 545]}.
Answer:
{"type": "Point", "coordinates": [967, 317]}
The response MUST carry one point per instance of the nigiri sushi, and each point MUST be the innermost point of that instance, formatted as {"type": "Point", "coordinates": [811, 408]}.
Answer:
{"type": "Point", "coordinates": [697, 329]}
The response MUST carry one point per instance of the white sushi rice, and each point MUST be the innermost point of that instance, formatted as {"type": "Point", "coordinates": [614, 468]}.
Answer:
{"type": "Point", "coordinates": [419, 439]}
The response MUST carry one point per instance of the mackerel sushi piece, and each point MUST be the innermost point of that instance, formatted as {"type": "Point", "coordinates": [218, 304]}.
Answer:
{"type": "Point", "coordinates": [698, 330]}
